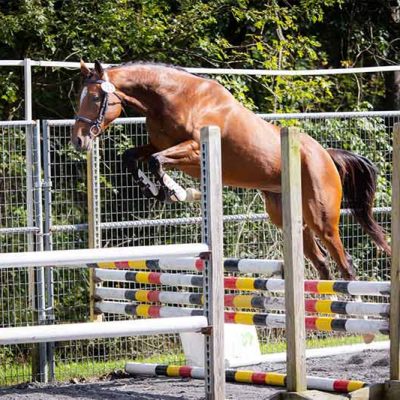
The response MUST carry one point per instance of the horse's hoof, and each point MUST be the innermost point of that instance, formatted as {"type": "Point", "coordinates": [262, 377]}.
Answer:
{"type": "Point", "coordinates": [149, 189]}
{"type": "Point", "coordinates": [193, 195]}
{"type": "Point", "coordinates": [129, 161]}
{"type": "Point", "coordinates": [155, 167]}
{"type": "Point", "coordinates": [128, 155]}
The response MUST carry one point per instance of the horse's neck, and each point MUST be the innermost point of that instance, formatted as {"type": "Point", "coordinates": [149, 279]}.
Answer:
{"type": "Point", "coordinates": [141, 84]}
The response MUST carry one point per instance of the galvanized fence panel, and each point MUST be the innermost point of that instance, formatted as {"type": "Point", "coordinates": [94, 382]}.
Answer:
{"type": "Point", "coordinates": [128, 219]}
{"type": "Point", "coordinates": [22, 291]}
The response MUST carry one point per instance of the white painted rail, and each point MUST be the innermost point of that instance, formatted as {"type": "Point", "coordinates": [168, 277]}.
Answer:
{"type": "Point", "coordinates": [96, 330]}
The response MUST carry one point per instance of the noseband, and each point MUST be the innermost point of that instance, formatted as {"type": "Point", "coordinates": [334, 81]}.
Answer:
{"type": "Point", "coordinates": [95, 124]}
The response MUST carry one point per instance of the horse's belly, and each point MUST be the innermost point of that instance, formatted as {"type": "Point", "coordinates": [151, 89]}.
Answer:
{"type": "Point", "coordinates": [240, 179]}
{"type": "Point", "coordinates": [244, 173]}
{"type": "Point", "coordinates": [252, 180]}
{"type": "Point", "coordinates": [251, 167]}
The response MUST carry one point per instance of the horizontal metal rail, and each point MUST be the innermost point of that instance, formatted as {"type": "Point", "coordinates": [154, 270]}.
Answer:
{"type": "Point", "coordinates": [11, 63]}
{"type": "Point", "coordinates": [117, 121]}
{"type": "Point", "coordinates": [69, 228]}
{"type": "Point", "coordinates": [19, 230]}
{"type": "Point", "coordinates": [86, 256]}
{"type": "Point", "coordinates": [300, 116]}
{"type": "Point", "coordinates": [224, 71]}
{"type": "Point", "coordinates": [17, 123]}
{"type": "Point", "coordinates": [185, 221]}
{"type": "Point", "coordinates": [180, 221]}
{"type": "Point", "coordinates": [330, 115]}
{"type": "Point", "coordinates": [163, 221]}
{"type": "Point", "coordinates": [159, 222]}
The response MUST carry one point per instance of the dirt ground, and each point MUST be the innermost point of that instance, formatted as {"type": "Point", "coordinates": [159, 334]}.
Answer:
{"type": "Point", "coordinates": [368, 366]}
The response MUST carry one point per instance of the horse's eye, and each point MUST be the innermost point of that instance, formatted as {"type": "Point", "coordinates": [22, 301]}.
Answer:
{"type": "Point", "coordinates": [96, 98]}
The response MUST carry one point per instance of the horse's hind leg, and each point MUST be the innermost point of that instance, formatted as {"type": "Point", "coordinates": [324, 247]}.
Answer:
{"type": "Point", "coordinates": [316, 254]}
{"type": "Point", "coordinates": [312, 250]}
{"type": "Point", "coordinates": [322, 216]}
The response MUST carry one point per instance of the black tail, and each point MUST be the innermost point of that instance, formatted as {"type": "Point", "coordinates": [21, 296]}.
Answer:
{"type": "Point", "coordinates": [358, 175]}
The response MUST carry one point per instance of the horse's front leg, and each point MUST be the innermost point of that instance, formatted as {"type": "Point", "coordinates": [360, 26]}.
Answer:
{"type": "Point", "coordinates": [130, 160]}
{"type": "Point", "coordinates": [184, 154]}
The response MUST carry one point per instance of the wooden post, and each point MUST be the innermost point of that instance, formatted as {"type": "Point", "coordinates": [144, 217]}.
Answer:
{"type": "Point", "coordinates": [213, 274]}
{"type": "Point", "coordinates": [293, 259]}
{"type": "Point", "coordinates": [93, 196]}
{"type": "Point", "coordinates": [395, 273]}
{"type": "Point", "coordinates": [392, 387]}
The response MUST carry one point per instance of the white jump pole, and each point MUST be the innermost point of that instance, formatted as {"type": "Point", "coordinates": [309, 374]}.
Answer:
{"type": "Point", "coordinates": [96, 330]}
{"type": "Point", "coordinates": [86, 256]}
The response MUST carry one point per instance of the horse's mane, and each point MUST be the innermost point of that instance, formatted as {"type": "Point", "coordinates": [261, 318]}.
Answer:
{"type": "Point", "coordinates": [149, 63]}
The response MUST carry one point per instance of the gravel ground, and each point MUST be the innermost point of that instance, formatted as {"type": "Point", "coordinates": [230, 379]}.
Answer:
{"type": "Point", "coordinates": [368, 366]}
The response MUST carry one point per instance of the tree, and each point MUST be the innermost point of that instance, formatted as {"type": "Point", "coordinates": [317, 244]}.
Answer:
{"type": "Point", "coordinates": [271, 34]}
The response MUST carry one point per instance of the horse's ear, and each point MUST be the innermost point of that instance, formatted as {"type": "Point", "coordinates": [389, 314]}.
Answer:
{"type": "Point", "coordinates": [85, 71]}
{"type": "Point", "coordinates": [99, 69]}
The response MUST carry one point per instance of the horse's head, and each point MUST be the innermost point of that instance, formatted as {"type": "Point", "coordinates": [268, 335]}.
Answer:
{"type": "Point", "coordinates": [99, 106]}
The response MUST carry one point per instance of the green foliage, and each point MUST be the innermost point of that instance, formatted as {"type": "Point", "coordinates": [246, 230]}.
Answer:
{"type": "Point", "coordinates": [224, 33]}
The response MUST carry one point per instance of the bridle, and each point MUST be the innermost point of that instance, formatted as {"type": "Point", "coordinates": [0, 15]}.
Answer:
{"type": "Point", "coordinates": [95, 124]}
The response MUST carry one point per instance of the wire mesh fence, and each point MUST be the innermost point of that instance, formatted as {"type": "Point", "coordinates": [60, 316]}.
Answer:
{"type": "Point", "coordinates": [18, 232]}
{"type": "Point", "coordinates": [129, 219]}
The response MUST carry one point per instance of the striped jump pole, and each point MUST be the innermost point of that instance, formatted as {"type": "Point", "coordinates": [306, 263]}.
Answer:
{"type": "Point", "coordinates": [251, 284]}
{"type": "Point", "coordinates": [86, 256]}
{"type": "Point", "coordinates": [268, 320]}
{"type": "Point", "coordinates": [244, 301]}
{"type": "Point", "coordinates": [243, 376]}
{"type": "Point", "coordinates": [267, 268]}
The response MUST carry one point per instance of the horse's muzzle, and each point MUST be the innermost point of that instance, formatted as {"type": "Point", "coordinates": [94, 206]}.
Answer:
{"type": "Point", "coordinates": [82, 143]}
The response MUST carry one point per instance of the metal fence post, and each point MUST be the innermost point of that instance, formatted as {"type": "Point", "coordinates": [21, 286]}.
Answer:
{"type": "Point", "coordinates": [28, 88]}
{"type": "Point", "coordinates": [48, 241]}
{"type": "Point", "coordinates": [212, 234]}
{"type": "Point", "coordinates": [33, 284]}
{"type": "Point", "coordinates": [94, 216]}
{"type": "Point", "coordinates": [40, 293]}
{"type": "Point", "coordinates": [30, 205]}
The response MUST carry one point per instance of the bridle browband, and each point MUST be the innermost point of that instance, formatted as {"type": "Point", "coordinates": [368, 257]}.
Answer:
{"type": "Point", "coordinates": [95, 124]}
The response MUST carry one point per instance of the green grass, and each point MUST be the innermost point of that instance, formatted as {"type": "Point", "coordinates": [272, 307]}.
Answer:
{"type": "Point", "coordinates": [277, 347]}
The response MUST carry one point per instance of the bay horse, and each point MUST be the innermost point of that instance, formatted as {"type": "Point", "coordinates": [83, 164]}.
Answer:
{"type": "Point", "coordinates": [177, 105]}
